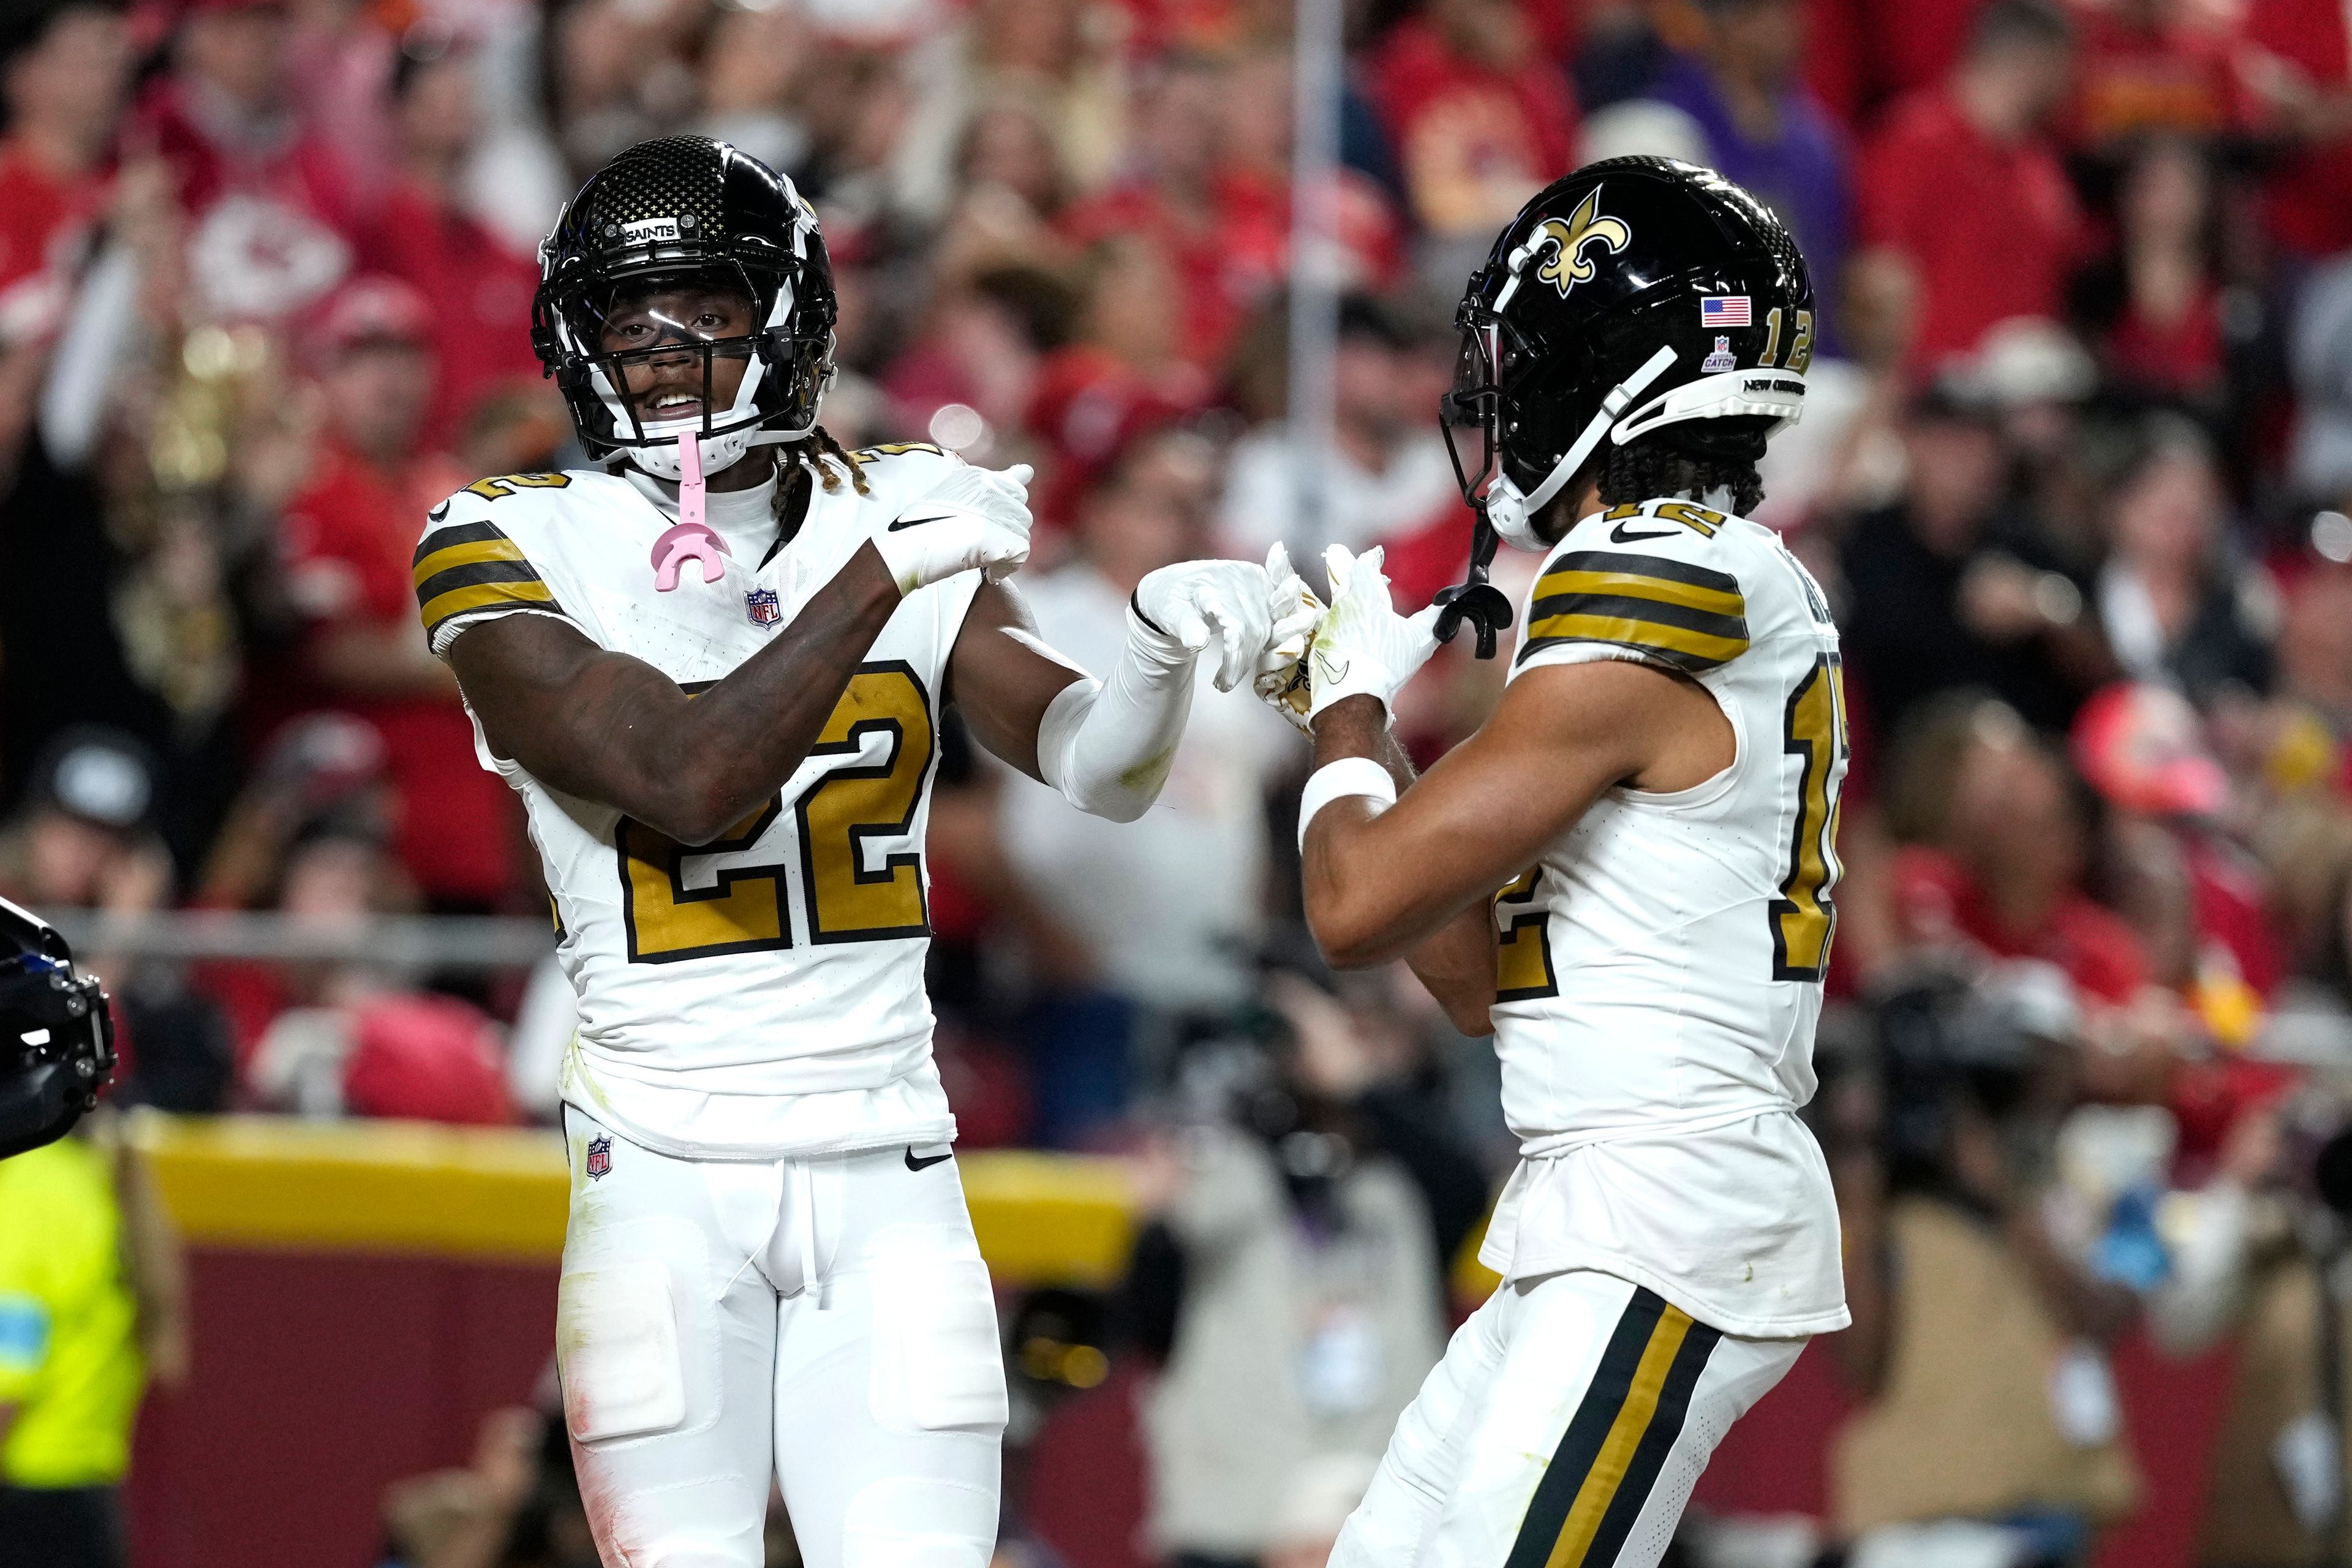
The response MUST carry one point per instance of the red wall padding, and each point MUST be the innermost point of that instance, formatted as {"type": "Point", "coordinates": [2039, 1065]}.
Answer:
{"type": "Point", "coordinates": [317, 1382]}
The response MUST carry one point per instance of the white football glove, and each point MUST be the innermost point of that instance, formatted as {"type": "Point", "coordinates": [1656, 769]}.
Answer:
{"type": "Point", "coordinates": [1363, 646]}
{"type": "Point", "coordinates": [973, 520]}
{"type": "Point", "coordinates": [1282, 680]}
{"type": "Point", "coordinates": [1196, 602]}
{"type": "Point", "coordinates": [1000, 495]}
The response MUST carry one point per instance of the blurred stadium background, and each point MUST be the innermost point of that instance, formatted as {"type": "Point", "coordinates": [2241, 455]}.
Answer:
{"type": "Point", "coordinates": [2076, 469]}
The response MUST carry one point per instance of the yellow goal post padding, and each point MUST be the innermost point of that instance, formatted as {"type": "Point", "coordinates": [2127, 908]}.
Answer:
{"type": "Point", "coordinates": [498, 1193]}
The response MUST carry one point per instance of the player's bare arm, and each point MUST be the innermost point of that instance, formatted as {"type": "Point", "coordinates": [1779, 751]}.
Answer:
{"type": "Point", "coordinates": [1394, 867]}
{"type": "Point", "coordinates": [1002, 676]}
{"type": "Point", "coordinates": [1377, 884]}
{"type": "Point", "coordinates": [1456, 964]}
{"type": "Point", "coordinates": [611, 728]}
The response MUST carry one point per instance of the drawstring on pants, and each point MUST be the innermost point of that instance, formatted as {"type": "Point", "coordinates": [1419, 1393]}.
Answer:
{"type": "Point", "coordinates": [802, 1178]}
{"type": "Point", "coordinates": [804, 1172]}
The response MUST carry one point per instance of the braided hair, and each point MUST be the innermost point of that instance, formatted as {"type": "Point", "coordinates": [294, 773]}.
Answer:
{"type": "Point", "coordinates": [829, 449]}
{"type": "Point", "coordinates": [1683, 461]}
{"type": "Point", "coordinates": [1643, 472]}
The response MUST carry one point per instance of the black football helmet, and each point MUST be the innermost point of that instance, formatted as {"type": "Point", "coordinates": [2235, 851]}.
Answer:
{"type": "Point", "coordinates": [57, 1038]}
{"type": "Point", "coordinates": [1637, 296]}
{"type": "Point", "coordinates": [687, 209]}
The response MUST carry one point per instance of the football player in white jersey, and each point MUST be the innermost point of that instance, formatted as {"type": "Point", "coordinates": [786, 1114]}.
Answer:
{"type": "Point", "coordinates": [1625, 876]}
{"type": "Point", "coordinates": [716, 672]}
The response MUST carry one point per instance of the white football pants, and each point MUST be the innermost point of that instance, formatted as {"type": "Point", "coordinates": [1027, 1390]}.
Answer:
{"type": "Point", "coordinates": [826, 1321]}
{"type": "Point", "coordinates": [1564, 1428]}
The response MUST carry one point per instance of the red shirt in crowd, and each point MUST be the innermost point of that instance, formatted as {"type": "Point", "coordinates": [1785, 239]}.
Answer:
{"type": "Point", "coordinates": [1369, 233]}
{"type": "Point", "coordinates": [2232, 914]}
{"type": "Point", "coordinates": [1227, 263]}
{"type": "Point", "coordinates": [1859, 53]}
{"type": "Point", "coordinates": [45, 226]}
{"type": "Point", "coordinates": [2309, 192]}
{"type": "Point", "coordinates": [426, 1058]}
{"type": "Point", "coordinates": [2172, 78]}
{"type": "Point", "coordinates": [1993, 230]}
{"type": "Point", "coordinates": [1936, 896]}
{"type": "Point", "coordinates": [1087, 407]}
{"type": "Point", "coordinates": [349, 539]}
{"type": "Point", "coordinates": [1473, 141]}
{"type": "Point", "coordinates": [270, 216]}
{"type": "Point", "coordinates": [2182, 358]}
{"type": "Point", "coordinates": [1429, 556]}
{"type": "Point", "coordinates": [481, 289]}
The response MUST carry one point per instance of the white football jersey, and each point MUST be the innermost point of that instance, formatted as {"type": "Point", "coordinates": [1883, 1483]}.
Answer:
{"type": "Point", "coordinates": [761, 994]}
{"type": "Point", "coordinates": [1660, 966]}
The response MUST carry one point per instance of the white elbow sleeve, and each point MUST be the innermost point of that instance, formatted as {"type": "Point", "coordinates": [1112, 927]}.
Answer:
{"type": "Point", "coordinates": [1107, 744]}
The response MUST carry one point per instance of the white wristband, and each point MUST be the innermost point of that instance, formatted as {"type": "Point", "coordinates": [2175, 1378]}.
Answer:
{"type": "Point", "coordinates": [1348, 775]}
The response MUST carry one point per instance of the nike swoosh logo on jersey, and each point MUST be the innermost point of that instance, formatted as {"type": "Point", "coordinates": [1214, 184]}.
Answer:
{"type": "Point", "coordinates": [925, 1165]}
{"type": "Point", "coordinates": [437, 513]}
{"type": "Point", "coordinates": [912, 521]}
{"type": "Point", "coordinates": [1326, 670]}
{"type": "Point", "coordinates": [1618, 536]}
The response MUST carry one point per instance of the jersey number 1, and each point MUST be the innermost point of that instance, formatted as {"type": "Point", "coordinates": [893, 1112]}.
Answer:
{"type": "Point", "coordinates": [682, 901]}
{"type": "Point", "coordinates": [1803, 919]}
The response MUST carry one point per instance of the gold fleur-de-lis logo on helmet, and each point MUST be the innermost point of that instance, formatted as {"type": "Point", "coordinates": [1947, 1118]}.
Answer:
{"type": "Point", "coordinates": [1567, 265]}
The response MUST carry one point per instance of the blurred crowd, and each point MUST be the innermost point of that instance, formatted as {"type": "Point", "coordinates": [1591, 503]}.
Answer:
{"type": "Point", "coordinates": [2075, 471]}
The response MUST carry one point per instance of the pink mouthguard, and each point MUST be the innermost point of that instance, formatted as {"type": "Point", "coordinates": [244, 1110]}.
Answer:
{"type": "Point", "coordinates": [690, 538]}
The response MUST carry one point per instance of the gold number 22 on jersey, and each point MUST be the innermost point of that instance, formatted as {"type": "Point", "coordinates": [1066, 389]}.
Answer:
{"type": "Point", "coordinates": [683, 901]}
{"type": "Point", "coordinates": [1803, 919]}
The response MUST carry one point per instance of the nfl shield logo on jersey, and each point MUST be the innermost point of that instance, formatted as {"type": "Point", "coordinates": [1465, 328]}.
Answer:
{"type": "Point", "coordinates": [600, 1157]}
{"type": "Point", "coordinates": [760, 604]}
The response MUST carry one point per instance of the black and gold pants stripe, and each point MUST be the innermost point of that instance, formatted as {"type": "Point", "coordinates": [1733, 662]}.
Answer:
{"type": "Point", "coordinates": [1617, 1442]}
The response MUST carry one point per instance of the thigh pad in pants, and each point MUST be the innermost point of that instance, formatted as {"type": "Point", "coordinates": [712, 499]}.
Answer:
{"type": "Point", "coordinates": [937, 1363]}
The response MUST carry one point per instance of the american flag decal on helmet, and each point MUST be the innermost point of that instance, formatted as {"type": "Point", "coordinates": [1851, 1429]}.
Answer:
{"type": "Point", "coordinates": [1723, 311]}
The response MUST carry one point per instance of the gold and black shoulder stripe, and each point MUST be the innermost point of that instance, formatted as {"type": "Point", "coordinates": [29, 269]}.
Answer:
{"type": "Point", "coordinates": [473, 567]}
{"type": "Point", "coordinates": [1687, 617]}
{"type": "Point", "coordinates": [1618, 1440]}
